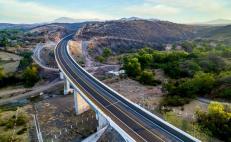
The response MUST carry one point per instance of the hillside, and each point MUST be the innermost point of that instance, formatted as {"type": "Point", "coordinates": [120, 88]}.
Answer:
{"type": "Point", "coordinates": [142, 30]}
{"type": "Point", "coordinates": [55, 31]}
{"type": "Point", "coordinates": [218, 33]}
{"type": "Point", "coordinates": [218, 22]}
{"type": "Point", "coordinates": [129, 35]}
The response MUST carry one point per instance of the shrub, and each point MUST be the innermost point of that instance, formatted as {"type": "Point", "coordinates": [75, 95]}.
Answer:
{"type": "Point", "coordinates": [147, 77]}
{"type": "Point", "coordinates": [26, 60]}
{"type": "Point", "coordinates": [174, 101]}
{"type": "Point", "coordinates": [106, 52]}
{"type": "Point", "coordinates": [30, 76]}
{"type": "Point", "coordinates": [21, 120]}
{"type": "Point", "coordinates": [217, 120]}
{"type": "Point", "coordinates": [100, 59]}
{"type": "Point", "coordinates": [22, 131]}
{"type": "Point", "coordinates": [132, 66]}
{"type": "Point", "coordinates": [10, 123]}
{"type": "Point", "coordinates": [200, 84]}
{"type": "Point", "coordinates": [225, 93]}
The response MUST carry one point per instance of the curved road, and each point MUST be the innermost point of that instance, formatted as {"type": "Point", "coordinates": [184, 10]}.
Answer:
{"type": "Point", "coordinates": [138, 124]}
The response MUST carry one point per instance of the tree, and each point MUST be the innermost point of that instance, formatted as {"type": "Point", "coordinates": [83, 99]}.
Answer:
{"type": "Point", "coordinates": [100, 59]}
{"type": "Point", "coordinates": [4, 42]}
{"type": "Point", "coordinates": [189, 68]}
{"type": "Point", "coordinates": [200, 84]}
{"type": "Point", "coordinates": [145, 60]}
{"type": "Point", "coordinates": [217, 120]}
{"type": "Point", "coordinates": [172, 69]}
{"type": "Point", "coordinates": [147, 77]}
{"type": "Point", "coordinates": [203, 82]}
{"type": "Point", "coordinates": [132, 66]}
{"type": "Point", "coordinates": [106, 52]}
{"type": "Point", "coordinates": [213, 63]}
{"type": "Point", "coordinates": [30, 76]}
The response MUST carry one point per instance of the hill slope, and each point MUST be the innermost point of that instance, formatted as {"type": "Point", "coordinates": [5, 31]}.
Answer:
{"type": "Point", "coordinates": [143, 30]}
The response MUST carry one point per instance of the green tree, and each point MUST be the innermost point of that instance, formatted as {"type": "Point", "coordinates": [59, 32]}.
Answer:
{"type": "Point", "coordinates": [100, 59]}
{"type": "Point", "coordinates": [147, 77]}
{"type": "Point", "coordinates": [106, 52]}
{"type": "Point", "coordinates": [217, 120]}
{"type": "Point", "coordinates": [30, 76]}
{"type": "Point", "coordinates": [203, 82]}
{"type": "Point", "coordinates": [132, 66]}
{"type": "Point", "coordinates": [188, 68]}
{"type": "Point", "coordinates": [200, 84]}
{"type": "Point", "coordinates": [145, 60]}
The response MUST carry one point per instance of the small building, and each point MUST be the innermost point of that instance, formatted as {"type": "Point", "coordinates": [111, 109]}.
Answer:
{"type": "Point", "coordinates": [116, 73]}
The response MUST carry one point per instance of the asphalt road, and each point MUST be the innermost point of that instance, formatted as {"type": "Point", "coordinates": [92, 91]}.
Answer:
{"type": "Point", "coordinates": [134, 121]}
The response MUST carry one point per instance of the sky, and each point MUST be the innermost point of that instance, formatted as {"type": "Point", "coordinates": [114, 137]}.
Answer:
{"type": "Point", "coordinates": [180, 11]}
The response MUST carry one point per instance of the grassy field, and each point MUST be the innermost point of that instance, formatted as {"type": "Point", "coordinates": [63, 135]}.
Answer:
{"type": "Point", "coordinates": [14, 125]}
{"type": "Point", "coordinates": [9, 61]}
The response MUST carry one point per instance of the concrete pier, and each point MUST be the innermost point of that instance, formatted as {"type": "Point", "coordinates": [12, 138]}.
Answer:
{"type": "Point", "coordinates": [80, 104]}
{"type": "Point", "coordinates": [67, 87]}
{"type": "Point", "coordinates": [102, 121]}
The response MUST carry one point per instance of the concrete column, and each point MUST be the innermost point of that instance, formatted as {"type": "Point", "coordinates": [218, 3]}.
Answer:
{"type": "Point", "coordinates": [67, 87]}
{"type": "Point", "coordinates": [102, 121]}
{"type": "Point", "coordinates": [61, 75]}
{"type": "Point", "coordinates": [80, 104]}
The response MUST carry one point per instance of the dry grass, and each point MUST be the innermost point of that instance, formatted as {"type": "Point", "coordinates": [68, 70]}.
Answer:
{"type": "Point", "coordinates": [76, 50]}
{"type": "Point", "coordinates": [8, 56]}
{"type": "Point", "coordinates": [8, 133]}
{"type": "Point", "coordinates": [10, 62]}
{"type": "Point", "coordinates": [10, 67]}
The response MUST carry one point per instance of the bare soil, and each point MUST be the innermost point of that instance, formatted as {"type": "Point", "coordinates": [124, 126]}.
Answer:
{"type": "Point", "coordinates": [146, 96]}
{"type": "Point", "coordinates": [59, 123]}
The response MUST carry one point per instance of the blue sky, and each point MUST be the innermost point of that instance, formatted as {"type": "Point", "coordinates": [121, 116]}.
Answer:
{"type": "Point", "coordinates": [181, 11]}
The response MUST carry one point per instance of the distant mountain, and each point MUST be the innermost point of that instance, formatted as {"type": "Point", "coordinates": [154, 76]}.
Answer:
{"type": "Point", "coordinates": [221, 22]}
{"type": "Point", "coordinates": [71, 20]}
{"type": "Point", "coordinates": [137, 18]}
{"type": "Point", "coordinates": [131, 19]}
{"type": "Point", "coordinates": [17, 26]}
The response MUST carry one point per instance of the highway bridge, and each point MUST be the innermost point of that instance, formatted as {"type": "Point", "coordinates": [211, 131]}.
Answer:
{"type": "Point", "coordinates": [133, 122]}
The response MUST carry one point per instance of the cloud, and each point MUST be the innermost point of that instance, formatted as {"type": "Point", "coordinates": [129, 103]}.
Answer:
{"type": "Point", "coordinates": [213, 8]}
{"type": "Point", "coordinates": [148, 9]}
{"type": "Point", "coordinates": [30, 12]}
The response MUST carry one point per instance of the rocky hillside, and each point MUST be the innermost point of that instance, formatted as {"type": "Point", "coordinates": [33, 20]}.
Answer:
{"type": "Point", "coordinates": [130, 35]}
{"type": "Point", "coordinates": [141, 30]}
{"type": "Point", "coordinates": [56, 31]}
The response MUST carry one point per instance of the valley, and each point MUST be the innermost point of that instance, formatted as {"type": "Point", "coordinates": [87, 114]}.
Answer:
{"type": "Point", "coordinates": [167, 68]}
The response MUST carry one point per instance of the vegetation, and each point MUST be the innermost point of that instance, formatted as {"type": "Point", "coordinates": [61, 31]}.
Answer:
{"type": "Point", "coordinates": [217, 120]}
{"type": "Point", "coordinates": [9, 122]}
{"type": "Point", "coordinates": [190, 127]}
{"type": "Point", "coordinates": [7, 36]}
{"type": "Point", "coordinates": [26, 61]}
{"type": "Point", "coordinates": [132, 66]}
{"type": "Point", "coordinates": [30, 76]}
{"type": "Point", "coordinates": [147, 77]}
{"type": "Point", "coordinates": [106, 53]}
{"type": "Point", "coordinates": [196, 70]}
